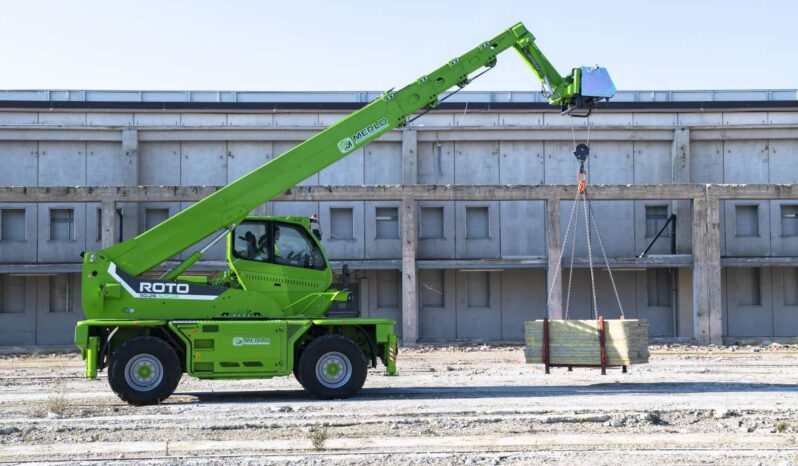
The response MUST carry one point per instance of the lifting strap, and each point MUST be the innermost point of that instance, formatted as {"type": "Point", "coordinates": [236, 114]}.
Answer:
{"type": "Point", "coordinates": [581, 152]}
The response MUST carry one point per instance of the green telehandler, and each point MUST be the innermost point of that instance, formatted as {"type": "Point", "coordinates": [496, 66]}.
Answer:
{"type": "Point", "coordinates": [265, 316]}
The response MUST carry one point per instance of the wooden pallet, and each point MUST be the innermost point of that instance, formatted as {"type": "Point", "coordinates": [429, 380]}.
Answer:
{"type": "Point", "coordinates": [586, 343]}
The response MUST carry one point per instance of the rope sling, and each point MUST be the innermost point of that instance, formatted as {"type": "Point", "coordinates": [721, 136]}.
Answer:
{"type": "Point", "coordinates": [582, 152]}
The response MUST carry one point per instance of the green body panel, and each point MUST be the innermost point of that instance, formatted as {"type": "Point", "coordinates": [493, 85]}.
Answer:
{"type": "Point", "coordinates": [236, 349]}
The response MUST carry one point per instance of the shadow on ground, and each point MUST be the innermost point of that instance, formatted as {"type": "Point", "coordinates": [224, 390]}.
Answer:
{"type": "Point", "coordinates": [515, 391]}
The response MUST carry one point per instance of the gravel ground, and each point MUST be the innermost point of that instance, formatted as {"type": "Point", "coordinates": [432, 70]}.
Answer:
{"type": "Point", "coordinates": [448, 405]}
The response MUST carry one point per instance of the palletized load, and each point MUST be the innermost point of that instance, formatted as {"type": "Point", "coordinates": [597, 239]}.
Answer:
{"type": "Point", "coordinates": [575, 343]}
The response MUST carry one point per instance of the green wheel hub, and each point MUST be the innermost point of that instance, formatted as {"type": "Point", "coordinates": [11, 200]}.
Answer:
{"type": "Point", "coordinates": [143, 372]}
{"type": "Point", "coordinates": [333, 369]}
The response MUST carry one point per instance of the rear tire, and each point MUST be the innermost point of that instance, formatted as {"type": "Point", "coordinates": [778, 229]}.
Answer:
{"type": "Point", "coordinates": [144, 371]}
{"type": "Point", "coordinates": [332, 366]}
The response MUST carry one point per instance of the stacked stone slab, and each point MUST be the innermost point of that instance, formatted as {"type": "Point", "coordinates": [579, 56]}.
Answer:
{"type": "Point", "coordinates": [576, 342]}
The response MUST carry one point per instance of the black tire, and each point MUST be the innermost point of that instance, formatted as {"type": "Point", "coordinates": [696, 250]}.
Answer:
{"type": "Point", "coordinates": [297, 375]}
{"type": "Point", "coordinates": [144, 371]}
{"type": "Point", "coordinates": [317, 367]}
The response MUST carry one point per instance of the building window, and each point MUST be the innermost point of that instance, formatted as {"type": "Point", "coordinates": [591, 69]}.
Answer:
{"type": "Point", "coordinates": [389, 290]}
{"type": "Point", "coordinates": [747, 220]}
{"type": "Point", "coordinates": [749, 286]}
{"type": "Point", "coordinates": [62, 224]}
{"type": "Point", "coordinates": [387, 223]}
{"type": "Point", "coordinates": [342, 223]}
{"type": "Point", "coordinates": [659, 287]}
{"type": "Point", "coordinates": [12, 294]}
{"type": "Point", "coordinates": [477, 223]}
{"type": "Point", "coordinates": [789, 220]}
{"type": "Point", "coordinates": [478, 289]}
{"type": "Point", "coordinates": [432, 289]}
{"type": "Point", "coordinates": [153, 217]}
{"type": "Point", "coordinates": [656, 216]}
{"type": "Point", "coordinates": [61, 292]}
{"type": "Point", "coordinates": [431, 223]}
{"type": "Point", "coordinates": [12, 225]}
{"type": "Point", "coordinates": [119, 224]}
{"type": "Point", "coordinates": [790, 285]}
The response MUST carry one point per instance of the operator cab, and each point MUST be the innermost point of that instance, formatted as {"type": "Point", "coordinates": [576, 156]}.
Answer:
{"type": "Point", "coordinates": [277, 242]}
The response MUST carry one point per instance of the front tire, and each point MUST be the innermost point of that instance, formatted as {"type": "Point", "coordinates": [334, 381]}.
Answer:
{"type": "Point", "coordinates": [332, 366]}
{"type": "Point", "coordinates": [144, 371]}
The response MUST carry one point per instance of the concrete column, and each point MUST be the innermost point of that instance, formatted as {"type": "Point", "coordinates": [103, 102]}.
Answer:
{"type": "Point", "coordinates": [409, 299]}
{"type": "Point", "coordinates": [680, 158]}
{"type": "Point", "coordinates": [409, 156]}
{"type": "Point", "coordinates": [700, 290]}
{"type": "Point", "coordinates": [108, 234]}
{"type": "Point", "coordinates": [130, 211]}
{"type": "Point", "coordinates": [715, 308]}
{"type": "Point", "coordinates": [707, 310]}
{"type": "Point", "coordinates": [553, 246]}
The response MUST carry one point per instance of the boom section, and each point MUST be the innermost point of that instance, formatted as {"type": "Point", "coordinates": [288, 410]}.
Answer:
{"type": "Point", "coordinates": [231, 204]}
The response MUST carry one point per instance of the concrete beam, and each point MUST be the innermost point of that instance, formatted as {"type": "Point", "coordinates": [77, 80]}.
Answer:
{"type": "Point", "coordinates": [715, 309]}
{"type": "Point", "coordinates": [409, 287]}
{"type": "Point", "coordinates": [553, 251]}
{"type": "Point", "coordinates": [398, 192]}
{"type": "Point", "coordinates": [537, 133]}
{"type": "Point", "coordinates": [60, 134]}
{"type": "Point", "coordinates": [409, 156]}
{"type": "Point", "coordinates": [372, 193]}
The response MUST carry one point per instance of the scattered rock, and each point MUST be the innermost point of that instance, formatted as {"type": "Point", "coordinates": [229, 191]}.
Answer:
{"type": "Point", "coordinates": [722, 413]}
{"type": "Point", "coordinates": [576, 418]}
{"type": "Point", "coordinates": [52, 415]}
{"type": "Point", "coordinates": [615, 423]}
{"type": "Point", "coordinates": [8, 430]}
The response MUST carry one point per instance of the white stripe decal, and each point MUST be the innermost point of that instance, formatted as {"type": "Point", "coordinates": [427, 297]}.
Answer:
{"type": "Point", "coordinates": [136, 294]}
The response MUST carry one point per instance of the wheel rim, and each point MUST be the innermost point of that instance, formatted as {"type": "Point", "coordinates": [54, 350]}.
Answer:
{"type": "Point", "coordinates": [333, 369]}
{"type": "Point", "coordinates": [143, 372]}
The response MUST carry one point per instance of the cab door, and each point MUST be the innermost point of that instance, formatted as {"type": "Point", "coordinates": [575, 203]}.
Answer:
{"type": "Point", "coordinates": [280, 258]}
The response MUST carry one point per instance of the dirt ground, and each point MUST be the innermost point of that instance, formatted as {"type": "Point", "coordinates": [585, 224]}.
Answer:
{"type": "Point", "coordinates": [448, 405]}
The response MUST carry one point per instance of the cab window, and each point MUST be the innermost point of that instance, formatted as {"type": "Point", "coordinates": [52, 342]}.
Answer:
{"type": "Point", "coordinates": [293, 246]}
{"type": "Point", "coordinates": [252, 241]}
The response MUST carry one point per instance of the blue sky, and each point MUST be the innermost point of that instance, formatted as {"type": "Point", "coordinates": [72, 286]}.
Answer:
{"type": "Point", "coordinates": [373, 45]}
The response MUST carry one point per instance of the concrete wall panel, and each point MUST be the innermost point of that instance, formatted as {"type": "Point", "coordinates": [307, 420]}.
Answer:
{"type": "Point", "coordinates": [61, 250]}
{"type": "Point", "coordinates": [522, 226]}
{"type": "Point", "coordinates": [296, 119]}
{"type": "Point", "coordinates": [615, 221]}
{"type": "Point", "coordinates": [343, 248]}
{"type": "Point", "coordinates": [706, 162]}
{"type": "Point", "coordinates": [387, 246]}
{"type": "Point", "coordinates": [19, 118]}
{"type": "Point", "coordinates": [749, 317]}
{"type": "Point", "coordinates": [521, 119]}
{"type": "Point", "coordinates": [652, 162]}
{"type": "Point", "coordinates": [203, 119]}
{"type": "Point", "coordinates": [611, 162]}
{"type": "Point", "coordinates": [383, 163]}
{"type": "Point", "coordinates": [62, 164]}
{"type": "Point", "coordinates": [203, 163]}
{"type": "Point", "coordinates": [62, 118]}
{"type": "Point", "coordinates": [745, 162]}
{"type": "Point", "coordinates": [435, 163]}
{"type": "Point", "coordinates": [437, 318]}
{"type": "Point", "coordinates": [243, 157]}
{"type": "Point", "coordinates": [107, 164]}
{"type": "Point", "coordinates": [109, 119]}
{"type": "Point", "coordinates": [20, 162]}
{"type": "Point", "coordinates": [159, 163]}
{"type": "Point", "coordinates": [560, 164]}
{"type": "Point", "coordinates": [477, 247]}
{"type": "Point", "coordinates": [476, 119]}
{"type": "Point", "coordinates": [347, 171]}
{"type": "Point", "coordinates": [250, 119]}
{"type": "Point", "coordinates": [521, 163]}
{"type": "Point", "coordinates": [156, 119]}
{"type": "Point", "coordinates": [476, 321]}
{"type": "Point", "coordinates": [782, 161]}
{"type": "Point", "coordinates": [21, 251]}
{"type": "Point", "coordinates": [785, 302]}
{"type": "Point", "coordinates": [476, 163]}
{"type": "Point", "coordinates": [385, 293]}
{"type": "Point", "coordinates": [741, 240]}
{"type": "Point", "coordinates": [523, 298]}
{"type": "Point", "coordinates": [57, 328]}
{"type": "Point", "coordinates": [441, 247]}
{"type": "Point", "coordinates": [20, 328]}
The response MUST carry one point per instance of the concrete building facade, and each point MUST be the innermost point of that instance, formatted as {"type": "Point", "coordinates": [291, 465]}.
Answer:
{"type": "Point", "coordinates": [466, 248]}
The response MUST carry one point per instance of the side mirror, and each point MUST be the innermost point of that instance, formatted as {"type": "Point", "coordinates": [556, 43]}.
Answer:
{"type": "Point", "coordinates": [345, 277]}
